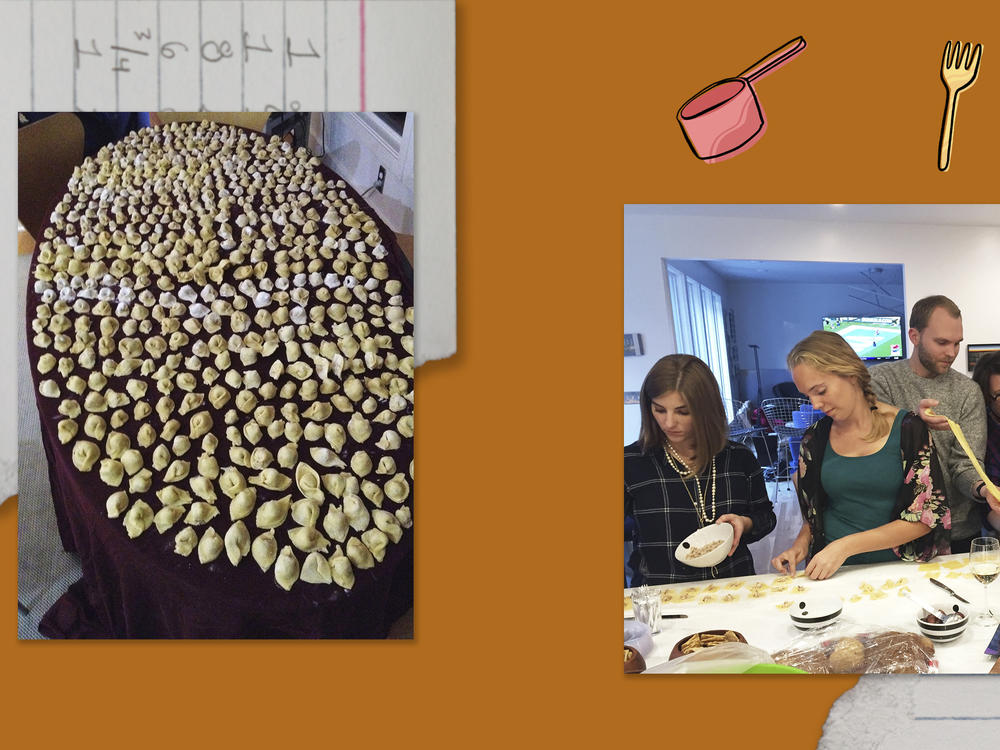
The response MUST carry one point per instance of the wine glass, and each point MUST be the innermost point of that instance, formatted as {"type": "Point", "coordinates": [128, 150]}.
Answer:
{"type": "Point", "coordinates": [984, 559]}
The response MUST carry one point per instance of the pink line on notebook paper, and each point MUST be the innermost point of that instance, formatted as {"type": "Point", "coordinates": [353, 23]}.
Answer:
{"type": "Point", "coordinates": [362, 55]}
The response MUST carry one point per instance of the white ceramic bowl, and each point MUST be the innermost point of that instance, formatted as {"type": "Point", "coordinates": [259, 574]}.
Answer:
{"type": "Point", "coordinates": [702, 538]}
{"type": "Point", "coordinates": [811, 612]}
{"type": "Point", "coordinates": [939, 632]}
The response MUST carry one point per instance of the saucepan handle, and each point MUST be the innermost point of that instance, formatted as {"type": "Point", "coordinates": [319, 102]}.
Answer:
{"type": "Point", "coordinates": [774, 60]}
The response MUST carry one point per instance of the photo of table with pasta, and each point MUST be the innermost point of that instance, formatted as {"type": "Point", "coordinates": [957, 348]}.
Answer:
{"type": "Point", "coordinates": [219, 330]}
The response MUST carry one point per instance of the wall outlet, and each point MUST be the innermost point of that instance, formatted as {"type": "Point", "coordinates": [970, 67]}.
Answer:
{"type": "Point", "coordinates": [380, 180]}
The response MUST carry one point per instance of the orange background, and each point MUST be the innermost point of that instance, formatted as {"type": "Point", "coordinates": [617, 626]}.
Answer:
{"type": "Point", "coordinates": [565, 113]}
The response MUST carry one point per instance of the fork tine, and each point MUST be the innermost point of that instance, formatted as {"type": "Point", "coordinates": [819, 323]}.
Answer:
{"type": "Point", "coordinates": [976, 54]}
{"type": "Point", "coordinates": [947, 50]}
{"type": "Point", "coordinates": [963, 58]}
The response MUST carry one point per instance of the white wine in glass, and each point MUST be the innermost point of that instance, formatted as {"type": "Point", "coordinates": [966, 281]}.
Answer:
{"type": "Point", "coordinates": [984, 559]}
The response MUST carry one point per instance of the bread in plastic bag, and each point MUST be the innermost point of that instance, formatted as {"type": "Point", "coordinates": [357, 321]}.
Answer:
{"type": "Point", "coordinates": [726, 658]}
{"type": "Point", "coordinates": [846, 647]}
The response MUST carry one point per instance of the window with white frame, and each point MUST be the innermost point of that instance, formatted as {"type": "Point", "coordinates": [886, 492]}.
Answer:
{"type": "Point", "coordinates": [699, 327]}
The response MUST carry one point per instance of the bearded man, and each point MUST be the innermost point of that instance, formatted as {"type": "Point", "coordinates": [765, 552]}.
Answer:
{"type": "Point", "coordinates": [926, 380]}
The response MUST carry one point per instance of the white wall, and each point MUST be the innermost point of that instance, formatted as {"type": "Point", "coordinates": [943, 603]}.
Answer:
{"type": "Point", "coordinates": [778, 315]}
{"type": "Point", "coordinates": [956, 261]}
{"type": "Point", "coordinates": [355, 152]}
{"type": "Point", "coordinates": [654, 320]}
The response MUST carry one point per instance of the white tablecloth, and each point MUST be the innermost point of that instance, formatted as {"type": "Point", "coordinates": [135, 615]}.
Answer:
{"type": "Point", "coordinates": [768, 627]}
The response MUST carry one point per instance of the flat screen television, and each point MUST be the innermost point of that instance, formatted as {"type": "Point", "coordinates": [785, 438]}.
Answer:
{"type": "Point", "coordinates": [874, 338]}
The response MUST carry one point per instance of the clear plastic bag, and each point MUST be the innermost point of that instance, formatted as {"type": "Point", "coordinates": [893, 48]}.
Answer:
{"type": "Point", "coordinates": [726, 658]}
{"type": "Point", "coordinates": [846, 647]}
{"type": "Point", "coordinates": [639, 637]}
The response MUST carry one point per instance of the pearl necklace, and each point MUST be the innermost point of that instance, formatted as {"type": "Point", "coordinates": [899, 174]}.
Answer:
{"type": "Point", "coordinates": [698, 500]}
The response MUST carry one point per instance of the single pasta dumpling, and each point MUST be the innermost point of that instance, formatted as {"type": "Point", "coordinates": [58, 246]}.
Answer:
{"type": "Point", "coordinates": [117, 443]}
{"type": "Point", "coordinates": [341, 569]}
{"type": "Point", "coordinates": [85, 455]}
{"type": "Point", "coordinates": [243, 504]}
{"type": "Point", "coordinates": [316, 569]}
{"type": "Point", "coordinates": [376, 541]}
{"type": "Point", "coordinates": [356, 512]}
{"type": "Point", "coordinates": [272, 514]}
{"type": "Point", "coordinates": [112, 472]}
{"type": "Point", "coordinates": [232, 482]}
{"type": "Point", "coordinates": [67, 430]}
{"type": "Point", "coordinates": [140, 482]}
{"type": "Point", "coordinates": [361, 463]}
{"type": "Point", "coordinates": [336, 523]}
{"type": "Point", "coordinates": [335, 435]}
{"type": "Point", "coordinates": [359, 427]}
{"type": "Point", "coordinates": [397, 488]}
{"type": "Point", "coordinates": [167, 516]}
{"type": "Point", "coordinates": [138, 519]}
{"type": "Point", "coordinates": [307, 539]}
{"type": "Point", "coordinates": [202, 487]}
{"type": "Point", "coordinates": [264, 550]}
{"type": "Point", "coordinates": [171, 495]}
{"type": "Point", "coordinates": [208, 466]}
{"type": "Point", "coordinates": [210, 546]}
{"type": "Point", "coordinates": [200, 513]}
{"type": "Point", "coordinates": [117, 502]}
{"type": "Point", "coordinates": [177, 471]}
{"type": "Point", "coordinates": [272, 479]}
{"type": "Point", "coordinates": [185, 541]}
{"type": "Point", "coordinates": [201, 423]}
{"type": "Point", "coordinates": [237, 542]}
{"type": "Point", "coordinates": [308, 482]}
{"type": "Point", "coordinates": [305, 512]}
{"type": "Point", "coordinates": [286, 568]}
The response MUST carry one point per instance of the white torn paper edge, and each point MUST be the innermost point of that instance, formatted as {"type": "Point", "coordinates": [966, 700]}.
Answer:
{"type": "Point", "coordinates": [890, 711]}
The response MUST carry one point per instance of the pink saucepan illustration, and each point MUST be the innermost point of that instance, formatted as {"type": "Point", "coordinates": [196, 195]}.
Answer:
{"type": "Point", "coordinates": [726, 118]}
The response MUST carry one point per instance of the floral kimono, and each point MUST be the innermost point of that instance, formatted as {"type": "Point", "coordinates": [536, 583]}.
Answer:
{"type": "Point", "coordinates": [920, 498]}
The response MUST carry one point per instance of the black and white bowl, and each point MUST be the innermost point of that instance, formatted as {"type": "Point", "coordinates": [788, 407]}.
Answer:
{"type": "Point", "coordinates": [811, 612]}
{"type": "Point", "coordinates": [717, 536]}
{"type": "Point", "coordinates": [940, 632]}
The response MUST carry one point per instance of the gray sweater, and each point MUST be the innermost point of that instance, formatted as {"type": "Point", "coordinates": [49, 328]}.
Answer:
{"type": "Point", "coordinates": [962, 402]}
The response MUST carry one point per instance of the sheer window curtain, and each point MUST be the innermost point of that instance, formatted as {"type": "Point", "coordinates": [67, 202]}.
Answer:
{"type": "Point", "coordinates": [699, 328]}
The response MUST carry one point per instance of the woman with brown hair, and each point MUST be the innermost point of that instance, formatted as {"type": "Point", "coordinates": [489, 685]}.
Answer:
{"type": "Point", "coordinates": [683, 474]}
{"type": "Point", "coordinates": [869, 484]}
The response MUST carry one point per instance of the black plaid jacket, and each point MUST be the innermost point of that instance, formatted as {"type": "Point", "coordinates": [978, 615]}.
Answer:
{"type": "Point", "coordinates": [664, 514]}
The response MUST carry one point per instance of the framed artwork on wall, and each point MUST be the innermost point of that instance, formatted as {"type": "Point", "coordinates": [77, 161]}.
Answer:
{"type": "Point", "coordinates": [633, 344]}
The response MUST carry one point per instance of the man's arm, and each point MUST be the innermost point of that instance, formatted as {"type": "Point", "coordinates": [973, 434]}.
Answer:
{"type": "Point", "coordinates": [972, 420]}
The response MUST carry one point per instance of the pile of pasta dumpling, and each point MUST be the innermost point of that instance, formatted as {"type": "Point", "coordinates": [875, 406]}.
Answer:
{"type": "Point", "coordinates": [230, 352]}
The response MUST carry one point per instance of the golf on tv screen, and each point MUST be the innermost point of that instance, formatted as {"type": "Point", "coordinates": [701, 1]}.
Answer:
{"type": "Point", "coordinates": [875, 339]}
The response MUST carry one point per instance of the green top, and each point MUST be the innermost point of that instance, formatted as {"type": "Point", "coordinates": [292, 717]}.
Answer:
{"type": "Point", "coordinates": [862, 492]}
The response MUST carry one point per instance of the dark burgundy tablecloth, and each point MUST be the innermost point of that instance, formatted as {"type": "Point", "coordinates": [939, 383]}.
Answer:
{"type": "Point", "coordinates": [140, 588]}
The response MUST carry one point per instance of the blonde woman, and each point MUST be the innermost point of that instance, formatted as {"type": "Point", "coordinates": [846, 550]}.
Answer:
{"type": "Point", "coordinates": [683, 474]}
{"type": "Point", "coordinates": [869, 483]}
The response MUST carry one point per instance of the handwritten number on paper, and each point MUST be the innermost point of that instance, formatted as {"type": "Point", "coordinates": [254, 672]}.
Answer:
{"type": "Point", "coordinates": [78, 51]}
{"type": "Point", "coordinates": [166, 49]}
{"type": "Point", "coordinates": [288, 47]}
{"type": "Point", "coordinates": [247, 46]}
{"type": "Point", "coordinates": [220, 51]}
{"type": "Point", "coordinates": [122, 67]}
